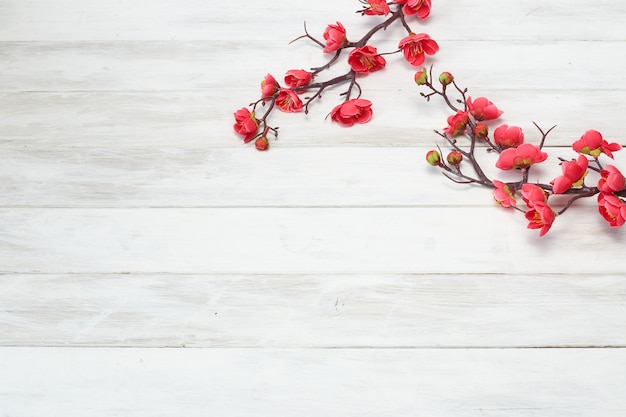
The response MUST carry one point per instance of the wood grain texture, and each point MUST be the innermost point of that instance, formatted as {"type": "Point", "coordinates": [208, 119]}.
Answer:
{"type": "Point", "coordinates": [270, 382]}
{"type": "Point", "coordinates": [337, 274]}
{"type": "Point", "coordinates": [294, 240]}
{"type": "Point", "coordinates": [313, 311]}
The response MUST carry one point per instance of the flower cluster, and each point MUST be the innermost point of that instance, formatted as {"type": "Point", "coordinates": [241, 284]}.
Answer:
{"type": "Point", "coordinates": [471, 119]}
{"type": "Point", "coordinates": [252, 123]}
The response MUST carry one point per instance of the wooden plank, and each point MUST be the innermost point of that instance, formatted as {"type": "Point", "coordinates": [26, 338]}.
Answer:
{"type": "Point", "coordinates": [312, 311]}
{"type": "Point", "coordinates": [365, 382]}
{"type": "Point", "coordinates": [200, 65]}
{"type": "Point", "coordinates": [39, 20]}
{"type": "Point", "coordinates": [290, 240]}
{"type": "Point", "coordinates": [182, 176]}
{"type": "Point", "coordinates": [127, 121]}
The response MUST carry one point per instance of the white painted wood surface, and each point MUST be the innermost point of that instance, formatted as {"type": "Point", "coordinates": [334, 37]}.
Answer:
{"type": "Point", "coordinates": [334, 275]}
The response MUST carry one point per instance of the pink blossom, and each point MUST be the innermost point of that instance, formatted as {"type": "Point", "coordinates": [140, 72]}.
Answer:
{"type": "Point", "coordinates": [288, 101]}
{"type": "Point", "coordinates": [377, 7]}
{"type": "Point", "coordinates": [592, 143]}
{"type": "Point", "coordinates": [541, 216]}
{"type": "Point", "coordinates": [532, 194]}
{"type": "Point", "coordinates": [366, 59]}
{"type": "Point", "coordinates": [457, 123]}
{"type": "Point", "coordinates": [612, 209]}
{"type": "Point", "coordinates": [611, 180]}
{"type": "Point", "coordinates": [483, 109]}
{"type": "Point", "coordinates": [574, 173]}
{"type": "Point", "coordinates": [298, 78]}
{"type": "Point", "coordinates": [335, 37]}
{"type": "Point", "coordinates": [507, 136]}
{"type": "Point", "coordinates": [269, 86]}
{"type": "Point", "coordinates": [523, 156]}
{"type": "Point", "coordinates": [246, 124]}
{"type": "Point", "coordinates": [419, 7]}
{"type": "Point", "coordinates": [503, 194]}
{"type": "Point", "coordinates": [415, 46]}
{"type": "Point", "coordinates": [352, 111]}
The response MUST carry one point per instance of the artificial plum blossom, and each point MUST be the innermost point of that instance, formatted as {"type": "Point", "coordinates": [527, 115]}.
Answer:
{"type": "Point", "coordinates": [506, 136]}
{"type": "Point", "coordinates": [457, 123]}
{"type": "Point", "coordinates": [352, 111]}
{"type": "Point", "coordinates": [503, 194]}
{"type": "Point", "coordinates": [541, 216]}
{"type": "Point", "coordinates": [246, 124]}
{"type": "Point", "coordinates": [433, 158]}
{"type": "Point", "coordinates": [574, 173]}
{"type": "Point", "coordinates": [415, 45]}
{"type": "Point", "coordinates": [377, 8]}
{"type": "Point", "coordinates": [421, 77]}
{"type": "Point", "coordinates": [366, 59]}
{"type": "Point", "coordinates": [335, 37]}
{"type": "Point", "coordinates": [611, 180]}
{"type": "Point", "coordinates": [521, 157]}
{"type": "Point", "coordinates": [592, 143]}
{"type": "Point", "coordinates": [419, 7]}
{"type": "Point", "coordinates": [532, 194]}
{"type": "Point", "coordinates": [288, 101]}
{"type": "Point", "coordinates": [298, 78]}
{"type": "Point", "coordinates": [481, 130]}
{"type": "Point", "coordinates": [262, 144]}
{"type": "Point", "coordinates": [483, 109]}
{"type": "Point", "coordinates": [454, 158]}
{"type": "Point", "coordinates": [269, 86]}
{"type": "Point", "coordinates": [612, 209]}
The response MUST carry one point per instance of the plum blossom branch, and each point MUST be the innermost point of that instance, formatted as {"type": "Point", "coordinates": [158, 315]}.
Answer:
{"type": "Point", "coordinates": [362, 59]}
{"type": "Point", "coordinates": [470, 121]}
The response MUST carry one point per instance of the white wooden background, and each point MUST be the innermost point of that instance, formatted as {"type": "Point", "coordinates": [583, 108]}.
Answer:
{"type": "Point", "coordinates": [153, 265]}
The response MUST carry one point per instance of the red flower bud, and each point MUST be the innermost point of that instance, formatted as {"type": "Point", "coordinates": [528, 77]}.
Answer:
{"type": "Point", "coordinates": [262, 143]}
{"type": "Point", "coordinates": [454, 158]}
{"type": "Point", "coordinates": [421, 77]}
{"type": "Point", "coordinates": [481, 131]}
{"type": "Point", "coordinates": [446, 78]}
{"type": "Point", "coordinates": [433, 158]}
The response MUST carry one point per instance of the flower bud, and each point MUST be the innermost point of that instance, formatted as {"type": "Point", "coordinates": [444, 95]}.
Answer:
{"type": "Point", "coordinates": [454, 158]}
{"type": "Point", "coordinates": [421, 77]}
{"type": "Point", "coordinates": [481, 131]}
{"type": "Point", "coordinates": [262, 144]}
{"type": "Point", "coordinates": [446, 78]}
{"type": "Point", "coordinates": [433, 158]}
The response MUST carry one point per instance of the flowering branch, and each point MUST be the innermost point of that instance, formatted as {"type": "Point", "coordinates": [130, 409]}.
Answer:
{"type": "Point", "coordinates": [362, 59]}
{"type": "Point", "coordinates": [471, 121]}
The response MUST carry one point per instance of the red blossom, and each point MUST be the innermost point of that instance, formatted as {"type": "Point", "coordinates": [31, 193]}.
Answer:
{"type": "Point", "coordinates": [611, 180]}
{"type": "Point", "coordinates": [457, 123]}
{"type": "Point", "coordinates": [246, 124]}
{"type": "Point", "coordinates": [298, 78]}
{"type": "Point", "coordinates": [612, 209]}
{"type": "Point", "coordinates": [541, 216]}
{"type": "Point", "coordinates": [503, 194]}
{"type": "Point", "coordinates": [507, 136]}
{"type": "Point", "coordinates": [419, 7]}
{"type": "Point", "coordinates": [592, 143]}
{"type": "Point", "coordinates": [415, 46]}
{"type": "Point", "coordinates": [532, 194]}
{"type": "Point", "coordinates": [377, 7]}
{"type": "Point", "coordinates": [483, 109]}
{"type": "Point", "coordinates": [523, 156]}
{"type": "Point", "coordinates": [352, 111]}
{"type": "Point", "coordinates": [573, 175]}
{"type": "Point", "coordinates": [288, 101]}
{"type": "Point", "coordinates": [335, 37]}
{"type": "Point", "coordinates": [262, 144]}
{"type": "Point", "coordinates": [269, 86]}
{"type": "Point", "coordinates": [366, 59]}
